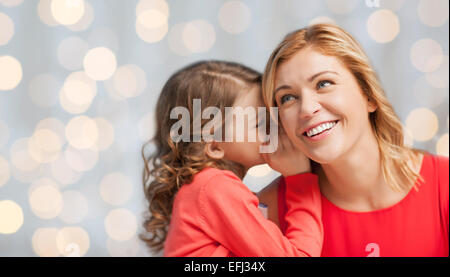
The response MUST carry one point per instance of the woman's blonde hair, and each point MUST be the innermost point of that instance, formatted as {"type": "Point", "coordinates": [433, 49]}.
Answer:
{"type": "Point", "coordinates": [332, 40]}
{"type": "Point", "coordinates": [216, 84]}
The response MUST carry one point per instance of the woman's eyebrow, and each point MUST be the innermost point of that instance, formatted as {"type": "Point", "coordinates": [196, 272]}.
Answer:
{"type": "Point", "coordinates": [310, 79]}
{"type": "Point", "coordinates": [280, 88]}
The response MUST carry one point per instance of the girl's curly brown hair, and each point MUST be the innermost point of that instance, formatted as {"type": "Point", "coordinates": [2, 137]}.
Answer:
{"type": "Point", "coordinates": [172, 164]}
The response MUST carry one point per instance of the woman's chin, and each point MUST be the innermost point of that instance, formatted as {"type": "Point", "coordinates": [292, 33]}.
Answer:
{"type": "Point", "coordinates": [323, 157]}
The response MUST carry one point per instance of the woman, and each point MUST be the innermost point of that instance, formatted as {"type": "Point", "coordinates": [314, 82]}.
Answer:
{"type": "Point", "coordinates": [379, 197]}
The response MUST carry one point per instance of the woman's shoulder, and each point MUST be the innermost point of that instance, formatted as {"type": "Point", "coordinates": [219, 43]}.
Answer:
{"type": "Point", "coordinates": [436, 163]}
{"type": "Point", "coordinates": [441, 161]}
{"type": "Point", "coordinates": [439, 166]}
{"type": "Point", "coordinates": [434, 171]}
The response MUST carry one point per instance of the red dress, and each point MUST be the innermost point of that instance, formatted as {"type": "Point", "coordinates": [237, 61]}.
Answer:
{"type": "Point", "coordinates": [415, 226]}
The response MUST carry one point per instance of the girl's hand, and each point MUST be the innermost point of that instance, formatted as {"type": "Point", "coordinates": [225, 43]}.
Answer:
{"type": "Point", "coordinates": [287, 159]}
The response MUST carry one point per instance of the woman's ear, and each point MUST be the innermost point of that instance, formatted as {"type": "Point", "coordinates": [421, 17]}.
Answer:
{"type": "Point", "coordinates": [371, 106]}
{"type": "Point", "coordinates": [214, 150]}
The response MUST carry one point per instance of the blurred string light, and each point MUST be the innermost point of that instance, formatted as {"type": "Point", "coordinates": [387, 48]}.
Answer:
{"type": "Point", "coordinates": [198, 36]}
{"type": "Point", "coordinates": [152, 20]}
{"type": "Point", "coordinates": [322, 19]}
{"type": "Point", "coordinates": [128, 81]}
{"type": "Point", "coordinates": [77, 93]}
{"type": "Point", "coordinates": [234, 17]}
{"type": "Point", "coordinates": [105, 133]}
{"type": "Point", "coordinates": [62, 172]}
{"type": "Point", "coordinates": [85, 21]}
{"type": "Point", "coordinates": [433, 13]}
{"type": "Point", "coordinates": [23, 167]}
{"type": "Point", "coordinates": [44, 146]}
{"type": "Point", "coordinates": [191, 37]}
{"type": "Point", "coordinates": [99, 63]}
{"type": "Point", "coordinates": [10, 72]}
{"type": "Point", "coordinates": [67, 12]}
{"type": "Point", "coordinates": [175, 40]}
{"type": "Point", "coordinates": [53, 242]}
{"type": "Point", "coordinates": [45, 13]}
{"type": "Point", "coordinates": [431, 89]}
{"type": "Point", "coordinates": [81, 160]}
{"type": "Point", "coordinates": [120, 224]}
{"type": "Point", "coordinates": [383, 26]}
{"type": "Point", "coordinates": [45, 198]}
{"type": "Point", "coordinates": [81, 132]}
{"type": "Point", "coordinates": [53, 124]}
{"type": "Point", "coordinates": [439, 77]}
{"type": "Point", "coordinates": [422, 123]}
{"type": "Point", "coordinates": [426, 55]}
{"type": "Point", "coordinates": [21, 157]}
{"type": "Point", "coordinates": [7, 30]}
{"type": "Point", "coordinates": [44, 242]}
{"type": "Point", "coordinates": [442, 145]}
{"type": "Point", "coordinates": [72, 241]}
{"type": "Point", "coordinates": [11, 217]}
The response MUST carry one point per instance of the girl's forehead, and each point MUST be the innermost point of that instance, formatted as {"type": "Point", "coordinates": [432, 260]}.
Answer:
{"type": "Point", "coordinates": [250, 98]}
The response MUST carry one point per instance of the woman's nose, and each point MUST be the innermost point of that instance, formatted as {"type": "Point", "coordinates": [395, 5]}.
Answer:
{"type": "Point", "coordinates": [309, 105]}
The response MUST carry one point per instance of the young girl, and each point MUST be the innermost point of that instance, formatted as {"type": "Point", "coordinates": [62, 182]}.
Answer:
{"type": "Point", "coordinates": [198, 203]}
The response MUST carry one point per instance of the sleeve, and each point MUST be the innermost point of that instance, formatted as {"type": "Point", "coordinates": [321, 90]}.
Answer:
{"type": "Point", "coordinates": [230, 215]}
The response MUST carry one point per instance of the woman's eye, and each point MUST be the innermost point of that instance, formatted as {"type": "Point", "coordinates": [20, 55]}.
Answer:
{"type": "Point", "coordinates": [286, 98]}
{"type": "Point", "coordinates": [323, 84]}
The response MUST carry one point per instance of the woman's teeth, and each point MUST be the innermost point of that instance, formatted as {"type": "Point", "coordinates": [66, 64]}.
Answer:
{"type": "Point", "coordinates": [319, 129]}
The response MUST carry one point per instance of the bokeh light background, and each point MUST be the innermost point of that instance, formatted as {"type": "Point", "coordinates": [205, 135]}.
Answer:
{"type": "Point", "coordinates": [79, 82]}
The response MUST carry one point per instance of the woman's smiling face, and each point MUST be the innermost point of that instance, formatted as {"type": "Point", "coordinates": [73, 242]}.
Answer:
{"type": "Point", "coordinates": [322, 108]}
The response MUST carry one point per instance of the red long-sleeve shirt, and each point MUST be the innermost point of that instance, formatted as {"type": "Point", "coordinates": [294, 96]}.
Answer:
{"type": "Point", "coordinates": [416, 226]}
{"type": "Point", "coordinates": [217, 215]}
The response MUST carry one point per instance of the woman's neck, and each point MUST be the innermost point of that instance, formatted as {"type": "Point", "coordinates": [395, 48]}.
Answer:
{"type": "Point", "coordinates": [355, 181]}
